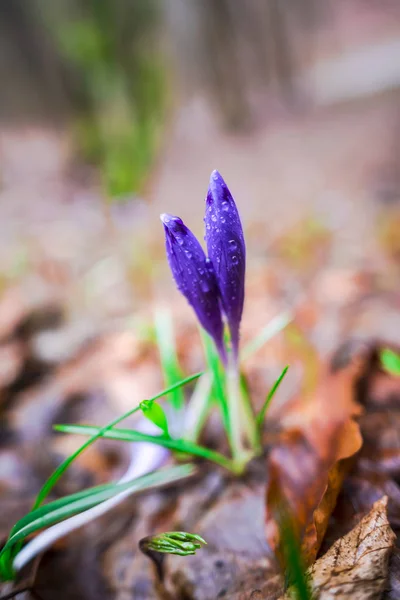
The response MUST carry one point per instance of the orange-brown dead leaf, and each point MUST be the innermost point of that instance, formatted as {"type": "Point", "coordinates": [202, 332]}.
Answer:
{"type": "Point", "coordinates": [312, 455]}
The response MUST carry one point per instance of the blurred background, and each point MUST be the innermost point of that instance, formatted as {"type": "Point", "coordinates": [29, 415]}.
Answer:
{"type": "Point", "coordinates": [112, 111]}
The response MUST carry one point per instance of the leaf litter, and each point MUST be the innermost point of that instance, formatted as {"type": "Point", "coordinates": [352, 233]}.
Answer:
{"type": "Point", "coordinates": [314, 442]}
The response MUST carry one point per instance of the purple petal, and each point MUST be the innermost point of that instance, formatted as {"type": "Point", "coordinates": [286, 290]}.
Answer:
{"type": "Point", "coordinates": [195, 277]}
{"type": "Point", "coordinates": [227, 251]}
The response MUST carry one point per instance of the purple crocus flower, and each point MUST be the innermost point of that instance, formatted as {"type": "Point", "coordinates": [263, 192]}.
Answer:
{"type": "Point", "coordinates": [195, 277]}
{"type": "Point", "coordinates": [227, 251]}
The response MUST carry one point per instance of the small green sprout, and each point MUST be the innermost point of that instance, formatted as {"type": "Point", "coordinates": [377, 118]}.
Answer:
{"type": "Point", "coordinates": [172, 542]}
{"type": "Point", "coordinates": [155, 413]}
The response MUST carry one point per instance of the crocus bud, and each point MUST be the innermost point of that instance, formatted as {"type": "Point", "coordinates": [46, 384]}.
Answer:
{"type": "Point", "coordinates": [172, 542]}
{"type": "Point", "coordinates": [227, 251]}
{"type": "Point", "coordinates": [195, 277]}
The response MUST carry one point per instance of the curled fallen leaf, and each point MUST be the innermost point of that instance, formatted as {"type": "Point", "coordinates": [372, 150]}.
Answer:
{"type": "Point", "coordinates": [356, 566]}
{"type": "Point", "coordinates": [307, 465]}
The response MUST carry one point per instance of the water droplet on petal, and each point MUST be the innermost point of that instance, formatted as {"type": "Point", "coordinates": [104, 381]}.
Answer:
{"type": "Point", "coordinates": [179, 239]}
{"type": "Point", "coordinates": [232, 245]}
{"type": "Point", "coordinates": [225, 205]}
{"type": "Point", "coordinates": [188, 253]}
{"type": "Point", "coordinates": [213, 218]}
{"type": "Point", "coordinates": [205, 286]}
{"type": "Point", "coordinates": [235, 260]}
{"type": "Point", "coordinates": [208, 227]}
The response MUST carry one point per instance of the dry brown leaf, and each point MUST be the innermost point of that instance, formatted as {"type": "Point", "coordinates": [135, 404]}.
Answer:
{"type": "Point", "coordinates": [307, 465]}
{"type": "Point", "coordinates": [356, 566]}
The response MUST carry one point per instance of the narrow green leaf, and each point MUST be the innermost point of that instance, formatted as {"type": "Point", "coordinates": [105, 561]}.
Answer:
{"type": "Point", "coordinates": [55, 476]}
{"type": "Point", "coordinates": [295, 574]}
{"type": "Point", "coordinates": [390, 361]}
{"type": "Point", "coordinates": [6, 568]}
{"type": "Point", "coordinates": [155, 413]}
{"type": "Point", "coordinates": [60, 509]}
{"type": "Point", "coordinates": [250, 423]}
{"type": "Point", "coordinates": [50, 483]}
{"type": "Point", "coordinates": [130, 435]}
{"type": "Point", "coordinates": [169, 360]}
{"type": "Point", "coordinates": [216, 370]}
{"type": "Point", "coordinates": [198, 408]}
{"type": "Point", "coordinates": [45, 509]}
{"type": "Point", "coordinates": [274, 326]}
{"type": "Point", "coordinates": [261, 415]}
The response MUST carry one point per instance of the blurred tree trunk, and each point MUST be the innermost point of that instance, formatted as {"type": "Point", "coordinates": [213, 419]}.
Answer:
{"type": "Point", "coordinates": [35, 80]}
{"type": "Point", "coordinates": [238, 48]}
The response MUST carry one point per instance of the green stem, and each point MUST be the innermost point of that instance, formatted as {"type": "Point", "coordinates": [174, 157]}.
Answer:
{"type": "Point", "coordinates": [249, 421]}
{"type": "Point", "coordinates": [198, 408]}
{"type": "Point", "coordinates": [240, 455]}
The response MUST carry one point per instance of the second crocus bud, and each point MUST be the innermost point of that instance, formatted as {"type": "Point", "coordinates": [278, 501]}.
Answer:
{"type": "Point", "coordinates": [227, 251]}
{"type": "Point", "coordinates": [195, 277]}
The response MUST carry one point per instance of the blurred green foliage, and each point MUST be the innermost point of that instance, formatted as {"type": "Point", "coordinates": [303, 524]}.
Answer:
{"type": "Point", "coordinates": [113, 48]}
{"type": "Point", "coordinates": [391, 362]}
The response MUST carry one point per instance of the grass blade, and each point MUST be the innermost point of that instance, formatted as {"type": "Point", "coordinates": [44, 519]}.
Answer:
{"type": "Point", "coordinates": [215, 368]}
{"type": "Point", "coordinates": [261, 415]}
{"type": "Point", "coordinates": [295, 570]}
{"type": "Point", "coordinates": [198, 408]}
{"type": "Point", "coordinates": [130, 435]}
{"type": "Point", "coordinates": [63, 508]}
{"type": "Point", "coordinates": [250, 424]}
{"type": "Point", "coordinates": [272, 328]}
{"type": "Point", "coordinates": [169, 361]}
{"type": "Point", "coordinates": [51, 482]}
